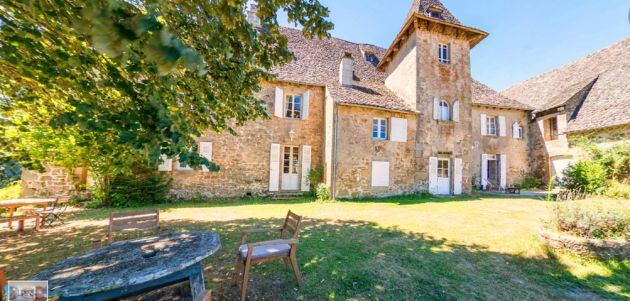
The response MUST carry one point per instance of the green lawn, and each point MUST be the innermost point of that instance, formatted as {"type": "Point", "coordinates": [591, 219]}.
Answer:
{"type": "Point", "coordinates": [402, 248]}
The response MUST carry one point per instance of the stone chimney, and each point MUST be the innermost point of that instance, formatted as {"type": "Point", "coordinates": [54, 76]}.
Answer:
{"type": "Point", "coordinates": [252, 18]}
{"type": "Point", "coordinates": [346, 70]}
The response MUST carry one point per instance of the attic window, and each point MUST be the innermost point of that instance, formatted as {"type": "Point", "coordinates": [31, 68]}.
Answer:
{"type": "Point", "coordinates": [371, 58]}
{"type": "Point", "coordinates": [435, 12]}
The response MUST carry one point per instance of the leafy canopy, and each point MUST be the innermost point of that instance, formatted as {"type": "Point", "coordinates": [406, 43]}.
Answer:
{"type": "Point", "coordinates": [105, 83]}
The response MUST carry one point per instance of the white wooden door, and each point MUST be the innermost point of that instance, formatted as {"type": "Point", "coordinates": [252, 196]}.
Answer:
{"type": "Point", "coordinates": [444, 176]}
{"type": "Point", "coordinates": [290, 168]}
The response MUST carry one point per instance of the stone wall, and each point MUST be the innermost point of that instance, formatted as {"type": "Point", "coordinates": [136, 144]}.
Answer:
{"type": "Point", "coordinates": [516, 150]}
{"type": "Point", "coordinates": [356, 149]}
{"type": "Point", "coordinates": [600, 248]}
{"type": "Point", "coordinates": [54, 182]}
{"type": "Point", "coordinates": [244, 159]}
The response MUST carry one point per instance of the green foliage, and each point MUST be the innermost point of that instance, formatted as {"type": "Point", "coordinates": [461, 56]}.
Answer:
{"type": "Point", "coordinates": [550, 186]}
{"type": "Point", "coordinates": [615, 159]}
{"type": "Point", "coordinates": [105, 84]}
{"type": "Point", "coordinates": [142, 188]}
{"type": "Point", "coordinates": [321, 192]}
{"type": "Point", "coordinates": [11, 191]}
{"type": "Point", "coordinates": [585, 176]}
{"type": "Point", "coordinates": [315, 177]}
{"type": "Point", "coordinates": [592, 222]}
{"type": "Point", "coordinates": [530, 182]}
{"type": "Point", "coordinates": [9, 172]}
{"type": "Point", "coordinates": [618, 190]}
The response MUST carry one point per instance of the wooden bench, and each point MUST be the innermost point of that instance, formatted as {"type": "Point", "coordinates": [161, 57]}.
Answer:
{"type": "Point", "coordinates": [21, 219]}
{"type": "Point", "coordinates": [133, 220]}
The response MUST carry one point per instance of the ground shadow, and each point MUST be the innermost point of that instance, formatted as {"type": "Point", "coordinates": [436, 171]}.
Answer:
{"type": "Point", "coordinates": [346, 260]}
{"type": "Point", "coordinates": [420, 199]}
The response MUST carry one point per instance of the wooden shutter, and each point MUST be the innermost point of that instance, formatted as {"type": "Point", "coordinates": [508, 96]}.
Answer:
{"type": "Point", "coordinates": [274, 167]}
{"type": "Point", "coordinates": [457, 176]}
{"type": "Point", "coordinates": [205, 150]}
{"type": "Point", "coordinates": [306, 167]}
{"type": "Point", "coordinates": [305, 103]}
{"type": "Point", "coordinates": [279, 102]}
{"type": "Point", "coordinates": [380, 173]}
{"type": "Point", "coordinates": [398, 129]}
{"type": "Point", "coordinates": [433, 187]}
{"type": "Point", "coordinates": [502, 130]}
{"type": "Point", "coordinates": [166, 165]}
{"type": "Point", "coordinates": [504, 164]}
{"type": "Point", "coordinates": [436, 108]}
{"type": "Point", "coordinates": [484, 128]}
{"type": "Point", "coordinates": [456, 111]}
{"type": "Point", "coordinates": [484, 170]}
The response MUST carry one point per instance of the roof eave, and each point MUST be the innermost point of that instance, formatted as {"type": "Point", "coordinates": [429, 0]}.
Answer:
{"type": "Point", "coordinates": [476, 35]}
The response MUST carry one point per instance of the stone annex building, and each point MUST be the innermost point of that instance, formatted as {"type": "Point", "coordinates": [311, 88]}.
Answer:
{"type": "Point", "coordinates": [401, 120]}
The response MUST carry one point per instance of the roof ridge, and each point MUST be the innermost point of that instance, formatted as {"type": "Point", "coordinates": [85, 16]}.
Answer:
{"type": "Point", "coordinates": [337, 38]}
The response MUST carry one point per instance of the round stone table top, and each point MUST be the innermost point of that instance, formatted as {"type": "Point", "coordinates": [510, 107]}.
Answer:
{"type": "Point", "coordinates": [129, 262]}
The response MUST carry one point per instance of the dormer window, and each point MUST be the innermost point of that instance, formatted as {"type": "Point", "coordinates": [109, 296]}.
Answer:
{"type": "Point", "coordinates": [371, 58]}
{"type": "Point", "coordinates": [435, 12]}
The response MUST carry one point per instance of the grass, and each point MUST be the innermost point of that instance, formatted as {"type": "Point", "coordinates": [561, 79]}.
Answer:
{"type": "Point", "coordinates": [402, 248]}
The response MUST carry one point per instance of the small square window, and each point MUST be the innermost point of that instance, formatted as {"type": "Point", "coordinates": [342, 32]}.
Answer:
{"type": "Point", "coordinates": [379, 128]}
{"type": "Point", "coordinates": [444, 54]}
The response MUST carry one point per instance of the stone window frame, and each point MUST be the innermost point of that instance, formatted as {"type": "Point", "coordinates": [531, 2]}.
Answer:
{"type": "Point", "coordinates": [443, 103]}
{"type": "Point", "coordinates": [379, 128]}
{"type": "Point", "coordinates": [290, 110]}
{"type": "Point", "coordinates": [444, 53]}
{"type": "Point", "coordinates": [492, 120]}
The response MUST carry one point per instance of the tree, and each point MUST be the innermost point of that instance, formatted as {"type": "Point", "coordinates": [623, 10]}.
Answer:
{"type": "Point", "coordinates": [105, 83]}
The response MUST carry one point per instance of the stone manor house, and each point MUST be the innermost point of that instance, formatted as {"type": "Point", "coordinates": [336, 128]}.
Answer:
{"type": "Point", "coordinates": [400, 120]}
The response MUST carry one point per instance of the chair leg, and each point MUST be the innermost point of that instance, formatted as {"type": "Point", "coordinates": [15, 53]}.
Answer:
{"type": "Point", "coordinates": [286, 262]}
{"type": "Point", "coordinates": [245, 281]}
{"type": "Point", "coordinates": [237, 270]}
{"type": "Point", "coordinates": [296, 271]}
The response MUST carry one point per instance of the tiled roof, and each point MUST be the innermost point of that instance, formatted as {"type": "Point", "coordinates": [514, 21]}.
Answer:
{"type": "Point", "coordinates": [422, 7]}
{"type": "Point", "coordinates": [317, 63]}
{"type": "Point", "coordinates": [607, 103]}
{"type": "Point", "coordinates": [486, 96]}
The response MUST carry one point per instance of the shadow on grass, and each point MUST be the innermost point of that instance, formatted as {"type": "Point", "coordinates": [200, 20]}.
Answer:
{"type": "Point", "coordinates": [416, 199]}
{"type": "Point", "coordinates": [346, 259]}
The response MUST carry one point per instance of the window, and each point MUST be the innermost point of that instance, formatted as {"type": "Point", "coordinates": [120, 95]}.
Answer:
{"type": "Point", "coordinates": [491, 126]}
{"type": "Point", "coordinates": [444, 53]}
{"type": "Point", "coordinates": [551, 128]}
{"type": "Point", "coordinates": [293, 107]}
{"type": "Point", "coordinates": [443, 168]}
{"type": "Point", "coordinates": [291, 160]}
{"type": "Point", "coordinates": [435, 14]}
{"type": "Point", "coordinates": [379, 128]}
{"type": "Point", "coordinates": [520, 133]}
{"type": "Point", "coordinates": [371, 58]}
{"type": "Point", "coordinates": [444, 111]}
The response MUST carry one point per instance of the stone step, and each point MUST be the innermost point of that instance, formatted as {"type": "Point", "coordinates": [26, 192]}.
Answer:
{"type": "Point", "coordinates": [287, 195]}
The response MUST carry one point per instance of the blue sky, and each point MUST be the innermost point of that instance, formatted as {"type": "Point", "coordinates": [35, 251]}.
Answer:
{"type": "Point", "coordinates": [526, 37]}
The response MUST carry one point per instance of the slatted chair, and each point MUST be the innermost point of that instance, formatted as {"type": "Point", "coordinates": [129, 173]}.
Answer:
{"type": "Point", "coordinates": [284, 248]}
{"type": "Point", "coordinates": [53, 213]}
{"type": "Point", "coordinates": [134, 220]}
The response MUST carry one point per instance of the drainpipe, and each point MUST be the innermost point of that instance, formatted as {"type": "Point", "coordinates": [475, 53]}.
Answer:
{"type": "Point", "coordinates": [334, 158]}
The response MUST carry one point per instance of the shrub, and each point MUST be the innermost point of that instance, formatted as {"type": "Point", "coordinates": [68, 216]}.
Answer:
{"type": "Point", "coordinates": [321, 192]}
{"type": "Point", "coordinates": [585, 176]}
{"type": "Point", "coordinates": [530, 182]}
{"type": "Point", "coordinates": [590, 222]}
{"type": "Point", "coordinates": [315, 176]}
{"type": "Point", "coordinates": [618, 190]}
{"type": "Point", "coordinates": [145, 186]}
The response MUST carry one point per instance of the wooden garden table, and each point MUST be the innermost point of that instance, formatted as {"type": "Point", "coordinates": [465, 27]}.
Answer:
{"type": "Point", "coordinates": [16, 203]}
{"type": "Point", "coordinates": [128, 268]}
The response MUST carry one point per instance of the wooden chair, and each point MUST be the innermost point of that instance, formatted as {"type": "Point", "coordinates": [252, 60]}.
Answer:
{"type": "Point", "coordinates": [283, 248]}
{"type": "Point", "coordinates": [3, 283]}
{"type": "Point", "coordinates": [133, 220]}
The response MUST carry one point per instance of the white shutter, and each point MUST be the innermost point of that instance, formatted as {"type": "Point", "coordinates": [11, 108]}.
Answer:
{"type": "Point", "coordinates": [456, 111]}
{"type": "Point", "coordinates": [484, 170]}
{"type": "Point", "coordinates": [457, 174]}
{"type": "Point", "coordinates": [502, 131]}
{"type": "Point", "coordinates": [306, 167]}
{"type": "Point", "coordinates": [279, 102]}
{"type": "Point", "coordinates": [166, 165]}
{"type": "Point", "coordinates": [504, 164]}
{"type": "Point", "coordinates": [305, 101]}
{"type": "Point", "coordinates": [205, 150]}
{"type": "Point", "coordinates": [398, 129]}
{"type": "Point", "coordinates": [436, 108]}
{"type": "Point", "coordinates": [482, 121]}
{"type": "Point", "coordinates": [380, 173]}
{"type": "Point", "coordinates": [274, 167]}
{"type": "Point", "coordinates": [515, 130]}
{"type": "Point", "coordinates": [433, 175]}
